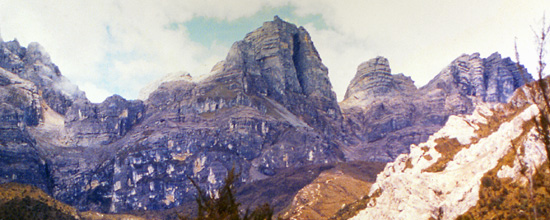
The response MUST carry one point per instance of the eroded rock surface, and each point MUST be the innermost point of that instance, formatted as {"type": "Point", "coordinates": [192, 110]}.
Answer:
{"type": "Point", "coordinates": [268, 106]}
{"type": "Point", "coordinates": [442, 177]}
{"type": "Point", "coordinates": [387, 113]}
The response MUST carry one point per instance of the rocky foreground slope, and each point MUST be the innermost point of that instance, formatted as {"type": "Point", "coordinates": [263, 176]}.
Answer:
{"type": "Point", "coordinates": [475, 167]}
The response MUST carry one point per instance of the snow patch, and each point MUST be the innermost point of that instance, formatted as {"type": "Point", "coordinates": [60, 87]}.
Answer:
{"type": "Point", "coordinates": [199, 165]}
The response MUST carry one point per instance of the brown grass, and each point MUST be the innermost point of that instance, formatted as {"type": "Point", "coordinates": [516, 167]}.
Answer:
{"type": "Point", "coordinates": [448, 148]}
{"type": "Point", "coordinates": [509, 199]}
{"type": "Point", "coordinates": [18, 192]}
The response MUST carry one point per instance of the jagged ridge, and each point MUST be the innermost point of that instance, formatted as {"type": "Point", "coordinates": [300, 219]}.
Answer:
{"type": "Point", "coordinates": [387, 113]}
{"type": "Point", "coordinates": [441, 178]}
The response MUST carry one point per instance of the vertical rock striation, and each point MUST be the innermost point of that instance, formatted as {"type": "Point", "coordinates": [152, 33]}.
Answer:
{"type": "Point", "coordinates": [386, 113]}
{"type": "Point", "coordinates": [268, 107]}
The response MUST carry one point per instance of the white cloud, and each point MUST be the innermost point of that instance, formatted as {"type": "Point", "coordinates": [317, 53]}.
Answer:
{"type": "Point", "coordinates": [93, 91]}
{"type": "Point", "coordinates": [419, 37]}
{"type": "Point", "coordinates": [129, 38]}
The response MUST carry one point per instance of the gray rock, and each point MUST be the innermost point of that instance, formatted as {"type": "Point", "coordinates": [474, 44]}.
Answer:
{"type": "Point", "coordinates": [386, 113]}
{"type": "Point", "coordinates": [35, 65]}
{"type": "Point", "coordinates": [20, 158]}
{"type": "Point", "coordinates": [268, 107]}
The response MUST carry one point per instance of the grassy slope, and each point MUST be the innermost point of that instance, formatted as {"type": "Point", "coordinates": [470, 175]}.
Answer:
{"type": "Point", "coordinates": [18, 201]}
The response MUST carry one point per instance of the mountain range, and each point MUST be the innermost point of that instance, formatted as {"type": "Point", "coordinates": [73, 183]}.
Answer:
{"type": "Point", "coordinates": [268, 110]}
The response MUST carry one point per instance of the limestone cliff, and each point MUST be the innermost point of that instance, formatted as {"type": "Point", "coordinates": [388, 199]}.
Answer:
{"type": "Point", "coordinates": [268, 107]}
{"type": "Point", "coordinates": [446, 176]}
{"type": "Point", "coordinates": [386, 113]}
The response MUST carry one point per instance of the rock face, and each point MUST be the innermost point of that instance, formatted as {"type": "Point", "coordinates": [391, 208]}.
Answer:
{"type": "Point", "coordinates": [268, 106]}
{"type": "Point", "coordinates": [266, 109]}
{"type": "Point", "coordinates": [33, 64]}
{"type": "Point", "coordinates": [442, 178]}
{"type": "Point", "coordinates": [374, 79]}
{"type": "Point", "coordinates": [387, 113]}
{"type": "Point", "coordinates": [52, 136]}
{"type": "Point", "coordinates": [20, 108]}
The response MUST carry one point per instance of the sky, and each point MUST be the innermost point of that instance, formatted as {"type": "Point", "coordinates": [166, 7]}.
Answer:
{"type": "Point", "coordinates": [111, 47]}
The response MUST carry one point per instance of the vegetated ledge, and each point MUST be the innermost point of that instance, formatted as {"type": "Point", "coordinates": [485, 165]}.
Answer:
{"type": "Point", "coordinates": [19, 201]}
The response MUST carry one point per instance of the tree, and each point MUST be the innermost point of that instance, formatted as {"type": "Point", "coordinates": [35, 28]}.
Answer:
{"type": "Point", "coordinates": [539, 96]}
{"type": "Point", "coordinates": [225, 206]}
{"type": "Point", "coordinates": [539, 89]}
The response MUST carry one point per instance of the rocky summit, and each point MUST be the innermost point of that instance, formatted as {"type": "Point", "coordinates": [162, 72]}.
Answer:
{"type": "Point", "coordinates": [268, 110]}
{"type": "Point", "coordinates": [268, 106]}
{"type": "Point", "coordinates": [386, 113]}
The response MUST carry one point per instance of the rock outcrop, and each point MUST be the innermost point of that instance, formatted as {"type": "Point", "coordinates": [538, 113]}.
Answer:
{"type": "Point", "coordinates": [33, 64]}
{"type": "Point", "coordinates": [269, 106]}
{"type": "Point", "coordinates": [20, 108]}
{"type": "Point", "coordinates": [52, 136]}
{"type": "Point", "coordinates": [386, 113]}
{"type": "Point", "coordinates": [442, 178]}
{"type": "Point", "coordinates": [266, 109]}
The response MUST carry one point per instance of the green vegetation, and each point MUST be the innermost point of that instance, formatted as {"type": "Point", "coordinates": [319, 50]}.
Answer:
{"type": "Point", "coordinates": [225, 206]}
{"type": "Point", "coordinates": [29, 208]}
{"type": "Point", "coordinates": [19, 201]}
{"type": "Point", "coordinates": [352, 209]}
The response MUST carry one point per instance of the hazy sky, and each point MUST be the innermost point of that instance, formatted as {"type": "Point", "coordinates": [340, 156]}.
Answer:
{"type": "Point", "coordinates": [119, 46]}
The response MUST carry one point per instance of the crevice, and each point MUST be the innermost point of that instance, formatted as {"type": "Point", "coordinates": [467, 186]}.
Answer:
{"type": "Point", "coordinates": [296, 57]}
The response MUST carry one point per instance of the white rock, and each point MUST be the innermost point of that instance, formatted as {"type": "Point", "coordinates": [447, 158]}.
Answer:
{"type": "Point", "coordinates": [409, 193]}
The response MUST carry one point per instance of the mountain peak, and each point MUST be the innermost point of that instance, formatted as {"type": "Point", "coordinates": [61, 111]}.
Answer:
{"type": "Point", "coordinates": [374, 78]}
{"type": "Point", "coordinates": [491, 79]}
{"type": "Point", "coordinates": [279, 61]}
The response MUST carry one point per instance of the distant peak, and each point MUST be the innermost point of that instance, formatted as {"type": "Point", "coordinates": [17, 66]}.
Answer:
{"type": "Point", "coordinates": [495, 56]}
{"type": "Point", "coordinates": [379, 63]}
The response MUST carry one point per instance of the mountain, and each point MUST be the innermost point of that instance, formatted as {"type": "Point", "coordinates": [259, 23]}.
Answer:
{"type": "Point", "coordinates": [251, 113]}
{"type": "Point", "coordinates": [477, 166]}
{"type": "Point", "coordinates": [268, 106]}
{"type": "Point", "coordinates": [33, 93]}
{"type": "Point", "coordinates": [386, 113]}
{"type": "Point", "coordinates": [268, 110]}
